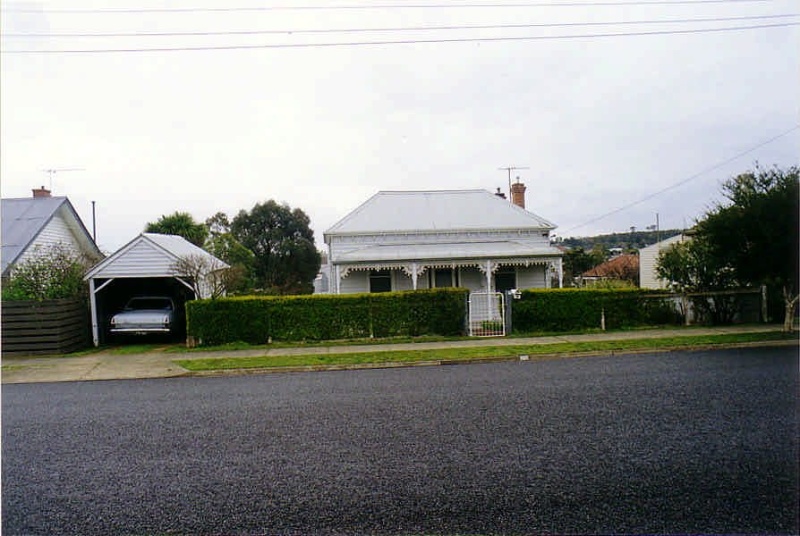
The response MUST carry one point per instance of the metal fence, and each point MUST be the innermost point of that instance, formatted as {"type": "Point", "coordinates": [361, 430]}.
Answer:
{"type": "Point", "coordinates": [487, 314]}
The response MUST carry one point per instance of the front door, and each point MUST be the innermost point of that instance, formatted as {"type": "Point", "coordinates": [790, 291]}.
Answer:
{"type": "Point", "coordinates": [505, 279]}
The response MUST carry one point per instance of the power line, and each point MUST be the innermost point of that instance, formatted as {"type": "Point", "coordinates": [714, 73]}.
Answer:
{"type": "Point", "coordinates": [354, 7]}
{"type": "Point", "coordinates": [688, 179]}
{"type": "Point", "coordinates": [405, 29]}
{"type": "Point", "coordinates": [399, 41]}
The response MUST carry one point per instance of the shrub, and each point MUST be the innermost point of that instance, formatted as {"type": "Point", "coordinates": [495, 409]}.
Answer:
{"type": "Point", "coordinates": [52, 273]}
{"type": "Point", "coordinates": [576, 309]}
{"type": "Point", "coordinates": [258, 319]}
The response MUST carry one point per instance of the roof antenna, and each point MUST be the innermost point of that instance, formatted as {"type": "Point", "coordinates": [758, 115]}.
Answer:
{"type": "Point", "coordinates": [52, 171]}
{"type": "Point", "coordinates": [509, 169]}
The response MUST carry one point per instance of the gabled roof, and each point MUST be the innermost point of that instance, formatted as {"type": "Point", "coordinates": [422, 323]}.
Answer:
{"type": "Point", "coordinates": [150, 255]}
{"type": "Point", "coordinates": [616, 267]}
{"type": "Point", "coordinates": [436, 210]}
{"type": "Point", "coordinates": [23, 219]}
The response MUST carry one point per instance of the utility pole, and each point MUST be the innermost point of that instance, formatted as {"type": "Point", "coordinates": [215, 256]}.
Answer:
{"type": "Point", "coordinates": [509, 169]}
{"type": "Point", "coordinates": [656, 228]}
{"type": "Point", "coordinates": [52, 171]}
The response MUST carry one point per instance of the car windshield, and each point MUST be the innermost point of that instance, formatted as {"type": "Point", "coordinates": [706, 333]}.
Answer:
{"type": "Point", "coordinates": [148, 303]}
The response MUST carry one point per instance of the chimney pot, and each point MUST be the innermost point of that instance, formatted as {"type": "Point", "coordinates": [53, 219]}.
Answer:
{"type": "Point", "coordinates": [41, 192]}
{"type": "Point", "coordinates": [518, 194]}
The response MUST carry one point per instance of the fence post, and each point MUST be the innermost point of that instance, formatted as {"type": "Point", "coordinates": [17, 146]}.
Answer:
{"type": "Point", "coordinates": [507, 312]}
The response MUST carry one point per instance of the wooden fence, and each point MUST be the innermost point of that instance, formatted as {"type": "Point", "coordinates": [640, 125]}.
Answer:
{"type": "Point", "coordinates": [46, 327]}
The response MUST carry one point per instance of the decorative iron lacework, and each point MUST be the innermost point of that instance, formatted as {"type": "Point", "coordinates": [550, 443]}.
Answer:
{"type": "Point", "coordinates": [421, 267]}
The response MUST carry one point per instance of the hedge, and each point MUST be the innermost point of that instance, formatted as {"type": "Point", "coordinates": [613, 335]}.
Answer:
{"type": "Point", "coordinates": [542, 310]}
{"type": "Point", "coordinates": [259, 319]}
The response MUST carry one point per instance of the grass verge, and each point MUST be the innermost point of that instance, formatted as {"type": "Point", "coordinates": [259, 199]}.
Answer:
{"type": "Point", "coordinates": [474, 353]}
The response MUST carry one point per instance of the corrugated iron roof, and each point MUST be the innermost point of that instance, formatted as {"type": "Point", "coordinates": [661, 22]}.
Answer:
{"type": "Point", "coordinates": [429, 252]}
{"type": "Point", "coordinates": [615, 267]}
{"type": "Point", "coordinates": [436, 210]}
{"type": "Point", "coordinates": [174, 247]}
{"type": "Point", "coordinates": [24, 218]}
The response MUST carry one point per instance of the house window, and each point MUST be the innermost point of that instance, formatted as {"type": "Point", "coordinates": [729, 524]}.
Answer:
{"type": "Point", "coordinates": [380, 281]}
{"type": "Point", "coordinates": [505, 279]}
{"type": "Point", "coordinates": [443, 277]}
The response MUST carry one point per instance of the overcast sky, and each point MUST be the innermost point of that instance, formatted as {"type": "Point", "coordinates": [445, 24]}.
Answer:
{"type": "Point", "coordinates": [601, 122]}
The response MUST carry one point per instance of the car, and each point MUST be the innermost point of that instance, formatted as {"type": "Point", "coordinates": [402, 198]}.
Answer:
{"type": "Point", "coordinates": [143, 315]}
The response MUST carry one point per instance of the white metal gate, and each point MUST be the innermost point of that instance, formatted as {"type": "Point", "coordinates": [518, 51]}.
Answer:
{"type": "Point", "coordinates": [487, 314]}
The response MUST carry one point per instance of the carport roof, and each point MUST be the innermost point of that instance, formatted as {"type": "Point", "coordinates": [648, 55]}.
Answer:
{"type": "Point", "coordinates": [150, 255]}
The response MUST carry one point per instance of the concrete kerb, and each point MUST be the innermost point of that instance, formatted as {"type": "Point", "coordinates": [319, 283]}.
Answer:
{"type": "Point", "coordinates": [105, 366]}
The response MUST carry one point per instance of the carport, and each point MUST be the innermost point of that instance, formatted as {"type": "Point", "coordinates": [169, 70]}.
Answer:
{"type": "Point", "coordinates": [146, 266]}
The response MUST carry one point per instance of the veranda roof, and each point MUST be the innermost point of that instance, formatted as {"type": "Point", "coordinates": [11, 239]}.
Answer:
{"type": "Point", "coordinates": [453, 251]}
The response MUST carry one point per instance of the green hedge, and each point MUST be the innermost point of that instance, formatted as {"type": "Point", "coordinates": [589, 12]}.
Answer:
{"type": "Point", "coordinates": [258, 319]}
{"type": "Point", "coordinates": [569, 309]}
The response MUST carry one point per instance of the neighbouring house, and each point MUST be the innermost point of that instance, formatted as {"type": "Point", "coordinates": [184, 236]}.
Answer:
{"type": "Point", "coordinates": [408, 240]}
{"type": "Point", "coordinates": [150, 265]}
{"type": "Point", "coordinates": [648, 258]}
{"type": "Point", "coordinates": [624, 267]}
{"type": "Point", "coordinates": [33, 225]}
{"type": "Point", "coordinates": [321, 282]}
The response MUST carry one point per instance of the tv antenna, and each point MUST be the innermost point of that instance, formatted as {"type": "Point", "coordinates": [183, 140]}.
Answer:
{"type": "Point", "coordinates": [509, 169]}
{"type": "Point", "coordinates": [52, 171]}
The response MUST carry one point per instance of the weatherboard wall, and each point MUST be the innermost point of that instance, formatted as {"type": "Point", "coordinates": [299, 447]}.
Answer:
{"type": "Point", "coordinates": [473, 279]}
{"type": "Point", "coordinates": [648, 257]}
{"type": "Point", "coordinates": [55, 233]}
{"type": "Point", "coordinates": [142, 259]}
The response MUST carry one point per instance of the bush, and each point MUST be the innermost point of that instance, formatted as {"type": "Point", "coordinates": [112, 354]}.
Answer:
{"type": "Point", "coordinates": [259, 319]}
{"type": "Point", "coordinates": [540, 310]}
{"type": "Point", "coordinates": [49, 274]}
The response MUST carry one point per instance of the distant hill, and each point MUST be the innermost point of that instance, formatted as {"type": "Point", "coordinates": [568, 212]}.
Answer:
{"type": "Point", "coordinates": [624, 241]}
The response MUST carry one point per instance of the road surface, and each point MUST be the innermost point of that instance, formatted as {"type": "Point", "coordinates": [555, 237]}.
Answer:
{"type": "Point", "coordinates": [703, 442]}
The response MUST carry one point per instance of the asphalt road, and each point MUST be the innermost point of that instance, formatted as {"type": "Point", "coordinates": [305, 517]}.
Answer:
{"type": "Point", "coordinates": [667, 443]}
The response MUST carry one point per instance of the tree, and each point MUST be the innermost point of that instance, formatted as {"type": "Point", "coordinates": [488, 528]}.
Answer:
{"type": "Point", "coordinates": [51, 273]}
{"type": "Point", "coordinates": [751, 238]}
{"type": "Point", "coordinates": [690, 267]}
{"type": "Point", "coordinates": [181, 224]}
{"type": "Point", "coordinates": [223, 245]}
{"type": "Point", "coordinates": [286, 260]}
{"type": "Point", "coordinates": [577, 261]}
{"type": "Point", "coordinates": [207, 276]}
{"type": "Point", "coordinates": [756, 231]}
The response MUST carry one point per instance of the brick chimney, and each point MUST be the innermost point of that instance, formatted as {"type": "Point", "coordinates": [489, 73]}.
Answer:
{"type": "Point", "coordinates": [518, 194]}
{"type": "Point", "coordinates": [41, 192]}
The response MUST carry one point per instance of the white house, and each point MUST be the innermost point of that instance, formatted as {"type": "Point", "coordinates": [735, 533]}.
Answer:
{"type": "Point", "coordinates": [32, 226]}
{"type": "Point", "coordinates": [648, 257]}
{"type": "Point", "coordinates": [426, 239]}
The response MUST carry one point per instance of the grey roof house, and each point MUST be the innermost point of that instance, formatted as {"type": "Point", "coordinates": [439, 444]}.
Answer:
{"type": "Point", "coordinates": [30, 226]}
{"type": "Point", "coordinates": [407, 240]}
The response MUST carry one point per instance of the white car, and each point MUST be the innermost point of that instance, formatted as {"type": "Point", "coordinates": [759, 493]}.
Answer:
{"type": "Point", "coordinates": [145, 314]}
